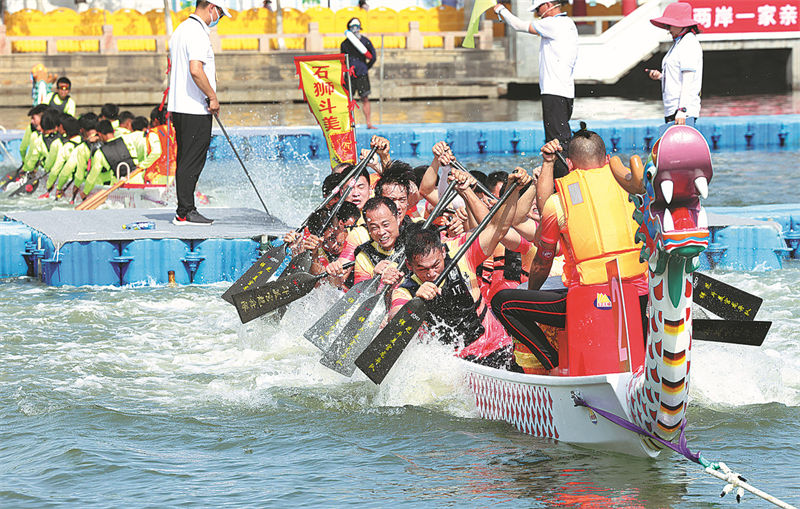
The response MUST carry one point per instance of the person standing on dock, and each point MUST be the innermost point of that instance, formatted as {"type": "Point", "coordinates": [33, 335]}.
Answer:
{"type": "Point", "coordinates": [558, 53]}
{"type": "Point", "coordinates": [362, 57]}
{"type": "Point", "coordinates": [192, 100]}
{"type": "Point", "coordinates": [681, 73]}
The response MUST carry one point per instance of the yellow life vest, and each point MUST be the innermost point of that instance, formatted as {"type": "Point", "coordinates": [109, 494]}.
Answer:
{"type": "Point", "coordinates": [599, 225]}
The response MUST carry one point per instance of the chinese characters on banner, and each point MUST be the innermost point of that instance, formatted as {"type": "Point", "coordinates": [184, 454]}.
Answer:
{"type": "Point", "coordinates": [322, 82]}
{"type": "Point", "coordinates": [744, 16]}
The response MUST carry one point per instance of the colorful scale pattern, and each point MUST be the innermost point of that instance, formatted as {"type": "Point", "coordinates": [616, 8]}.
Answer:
{"type": "Point", "coordinates": [528, 407]}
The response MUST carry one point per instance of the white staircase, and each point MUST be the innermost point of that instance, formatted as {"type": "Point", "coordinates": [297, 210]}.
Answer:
{"type": "Point", "coordinates": [605, 58]}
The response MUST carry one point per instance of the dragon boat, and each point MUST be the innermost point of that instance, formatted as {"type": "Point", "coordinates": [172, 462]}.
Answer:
{"type": "Point", "coordinates": [612, 390]}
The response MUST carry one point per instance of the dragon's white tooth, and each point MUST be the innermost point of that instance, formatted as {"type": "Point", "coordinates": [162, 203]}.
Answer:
{"type": "Point", "coordinates": [701, 183]}
{"type": "Point", "coordinates": [669, 224]}
{"type": "Point", "coordinates": [702, 218]}
{"type": "Point", "coordinates": [666, 189]}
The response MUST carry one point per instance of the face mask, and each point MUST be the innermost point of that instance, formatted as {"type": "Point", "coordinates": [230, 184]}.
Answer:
{"type": "Point", "coordinates": [355, 29]}
{"type": "Point", "coordinates": [214, 21]}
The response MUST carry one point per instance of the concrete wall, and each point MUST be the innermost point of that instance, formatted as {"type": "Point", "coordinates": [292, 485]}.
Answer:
{"type": "Point", "coordinates": [252, 77]}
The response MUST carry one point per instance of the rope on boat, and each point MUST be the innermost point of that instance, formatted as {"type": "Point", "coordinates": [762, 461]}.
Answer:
{"type": "Point", "coordinates": [717, 469]}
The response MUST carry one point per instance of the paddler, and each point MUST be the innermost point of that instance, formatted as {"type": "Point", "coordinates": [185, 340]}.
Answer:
{"type": "Point", "coordinates": [71, 139]}
{"type": "Point", "coordinates": [77, 163]}
{"type": "Point", "coordinates": [60, 99]}
{"type": "Point", "coordinates": [457, 304]}
{"type": "Point", "coordinates": [119, 156]}
{"type": "Point", "coordinates": [586, 239]}
{"type": "Point", "coordinates": [362, 57]}
{"type": "Point", "coordinates": [39, 145]}
{"type": "Point", "coordinates": [382, 219]}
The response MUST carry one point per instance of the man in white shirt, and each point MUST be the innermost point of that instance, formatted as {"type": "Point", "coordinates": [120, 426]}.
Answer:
{"type": "Point", "coordinates": [558, 53]}
{"type": "Point", "coordinates": [192, 100]}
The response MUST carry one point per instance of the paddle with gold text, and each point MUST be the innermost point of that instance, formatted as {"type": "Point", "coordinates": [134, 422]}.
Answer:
{"type": "Point", "coordinates": [256, 302]}
{"type": "Point", "coordinates": [723, 299]}
{"type": "Point", "coordinates": [261, 271]}
{"type": "Point", "coordinates": [382, 353]}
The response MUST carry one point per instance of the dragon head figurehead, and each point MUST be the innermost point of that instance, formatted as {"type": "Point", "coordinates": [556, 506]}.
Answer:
{"type": "Point", "coordinates": [666, 191]}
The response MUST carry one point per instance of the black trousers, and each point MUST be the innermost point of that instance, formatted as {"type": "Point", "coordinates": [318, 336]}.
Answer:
{"type": "Point", "coordinates": [556, 112]}
{"type": "Point", "coordinates": [193, 135]}
{"type": "Point", "coordinates": [520, 310]}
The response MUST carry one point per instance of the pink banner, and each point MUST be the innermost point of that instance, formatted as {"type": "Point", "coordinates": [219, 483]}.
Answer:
{"type": "Point", "coordinates": [746, 16]}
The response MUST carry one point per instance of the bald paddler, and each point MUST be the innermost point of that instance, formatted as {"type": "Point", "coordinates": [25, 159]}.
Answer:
{"type": "Point", "coordinates": [362, 57]}
{"type": "Point", "coordinates": [558, 53]}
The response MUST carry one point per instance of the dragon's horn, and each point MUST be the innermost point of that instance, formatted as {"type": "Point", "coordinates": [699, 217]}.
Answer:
{"type": "Point", "coordinates": [630, 180]}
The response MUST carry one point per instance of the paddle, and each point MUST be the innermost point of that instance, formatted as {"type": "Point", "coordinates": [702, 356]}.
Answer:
{"type": "Point", "coordinates": [98, 198]}
{"type": "Point", "coordinates": [258, 301]}
{"type": "Point", "coordinates": [361, 328]}
{"type": "Point", "coordinates": [28, 180]}
{"type": "Point", "coordinates": [10, 177]}
{"type": "Point", "coordinates": [259, 273]}
{"type": "Point", "coordinates": [724, 300]}
{"type": "Point", "coordinates": [380, 355]}
{"type": "Point", "coordinates": [738, 332]}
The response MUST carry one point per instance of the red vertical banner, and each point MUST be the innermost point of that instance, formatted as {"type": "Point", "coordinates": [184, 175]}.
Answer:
{"type": "Point", "coordinates": [746, 16]}
{"type": "Point", "coordinates": [322, 80]}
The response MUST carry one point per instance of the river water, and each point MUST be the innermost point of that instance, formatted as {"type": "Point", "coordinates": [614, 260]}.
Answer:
{"type": "Point", "coordinates": [158, 396]}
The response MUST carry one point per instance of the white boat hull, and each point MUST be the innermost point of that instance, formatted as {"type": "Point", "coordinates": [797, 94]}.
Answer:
{"type": "Point", "coordinates": [542, 406]}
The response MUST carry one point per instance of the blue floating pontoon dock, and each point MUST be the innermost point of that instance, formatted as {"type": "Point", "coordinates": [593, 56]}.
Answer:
{"type": "Point", "coordinates": [68, 247]}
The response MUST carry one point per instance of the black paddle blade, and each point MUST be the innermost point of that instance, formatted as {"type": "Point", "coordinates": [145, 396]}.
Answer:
{"type": "Point", "coordinates": [380, 355]}
{"type": "Point", "coordinates": [724, 300]}
{"type": "Point", "coordinates": [737, 332]}
{"type": "Point", "coordinates": [321, 333]}
{"type": "Point", "coordinates": [258, 301]}
{"type": "Point", "coordinates": [258, 274]}
{"type": "Point", "coordinates": [355, 337]}
{"type": "Point", "coordinates": [300, 263]}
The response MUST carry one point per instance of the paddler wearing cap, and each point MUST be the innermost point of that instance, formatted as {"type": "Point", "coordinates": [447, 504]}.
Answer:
{"type": "Point", "coordinates": [681, 73]}
{"type": "Point", "coordinates": [558, 53]}
{"type": "Point", "coordinates": [362, 57]}
{"type": "Point", "coordinates": [192, 100]}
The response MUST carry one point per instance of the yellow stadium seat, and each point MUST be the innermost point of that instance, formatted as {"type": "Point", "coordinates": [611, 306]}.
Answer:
{"type": "Point", "coordinates": [92, 21]}
{"type": "Point", "coordinates": [131, 22]}
{"type": "Point", "coordinates": [295, 22]}
{"type": "Point", "coordinates": [26, 22]}
{"type": "Point", "coordinates": [236, 25]}
{"type": "Point", "coordinates": [326, 19]}
{"type": "Point", "coordinates": [383, 19]}
{"type": "Point", "coordinates": [427, 23]}
{"type": "Point", "coordinates": [346, 14]}
{"type": "Point", "coordinates": [450, 20]}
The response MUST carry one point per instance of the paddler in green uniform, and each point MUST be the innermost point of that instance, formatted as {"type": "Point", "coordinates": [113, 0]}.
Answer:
{"type": "Point", "coordinates": [71, 130]}
{"type": "Point", "coordinates": [60, 99]}
{"type": "Point", "coordinates": [39, 146]}
{"type": "Point", "coordinates": [119, 156]}
{"type": "Point", "coordinates": [78, 160]}
{"type": "Point", "coordinates": [32, 129]}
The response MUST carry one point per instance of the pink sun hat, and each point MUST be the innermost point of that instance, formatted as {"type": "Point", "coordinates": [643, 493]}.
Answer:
{"type": "Point", "coordinates": [678, 14]}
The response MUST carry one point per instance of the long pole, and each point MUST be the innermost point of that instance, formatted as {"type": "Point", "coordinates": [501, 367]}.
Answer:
{"type": "Point", "coordinates": [242, 163]}
{"type": "Point", "coordinates": [380, 97]}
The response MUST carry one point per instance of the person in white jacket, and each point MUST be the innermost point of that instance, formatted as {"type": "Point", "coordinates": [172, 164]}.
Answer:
{"type": "Point", "coordinates": [681, 73]}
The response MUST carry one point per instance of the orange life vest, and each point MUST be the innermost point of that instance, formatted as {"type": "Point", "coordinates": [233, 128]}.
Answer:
{"type": "Point", "coordinates": [599, 225]}
{"type": "Point", "coordinates": [163, 169]}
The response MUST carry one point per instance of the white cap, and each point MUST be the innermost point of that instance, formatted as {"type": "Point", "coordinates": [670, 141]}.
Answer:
{"type": "Point", "coordinates": [538, 3]}
{"type": "Point", "coordinates": [222, 4]}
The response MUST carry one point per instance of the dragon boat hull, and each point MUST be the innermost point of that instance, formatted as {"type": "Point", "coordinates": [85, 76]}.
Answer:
{"type": "Point", "coordinates": [543, 406]}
